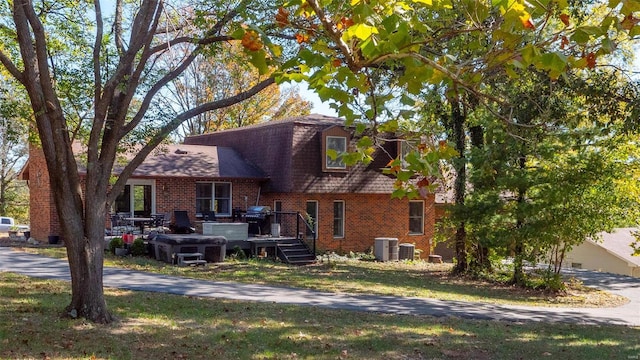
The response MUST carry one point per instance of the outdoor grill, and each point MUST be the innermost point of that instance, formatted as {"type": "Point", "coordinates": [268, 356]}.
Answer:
{"type": "Point", "coordinates": [258, 218]}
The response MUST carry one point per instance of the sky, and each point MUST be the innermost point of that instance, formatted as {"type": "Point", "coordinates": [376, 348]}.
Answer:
{"type": "Point", "coordinates": [318, 106]}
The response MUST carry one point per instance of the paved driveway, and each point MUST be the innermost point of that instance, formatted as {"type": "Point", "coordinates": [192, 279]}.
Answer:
{"type": "Point", "coordinates": [628, 314]}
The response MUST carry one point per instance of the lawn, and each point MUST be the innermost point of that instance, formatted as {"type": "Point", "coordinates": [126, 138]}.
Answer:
{"type": "Point", "coordinates": [160, 326]}
{"type": "Point", "coordinates": [415, 279]}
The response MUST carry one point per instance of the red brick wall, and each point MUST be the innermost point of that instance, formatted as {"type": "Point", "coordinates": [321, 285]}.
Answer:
{"type": "Point", "coordinates": [367, 216]}
{"type": "Point", "coordinates": [43, 218]}
{"type": "Point", "coordinates": [180, 194]}
{"type": "Point", "coordinates": [171, 194]}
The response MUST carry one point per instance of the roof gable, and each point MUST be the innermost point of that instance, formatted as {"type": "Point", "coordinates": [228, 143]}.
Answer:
{"type": "Point", "coordinates": [618, 243]}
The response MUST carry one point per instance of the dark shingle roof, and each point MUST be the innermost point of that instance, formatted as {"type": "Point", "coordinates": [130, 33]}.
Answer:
{"type": "Point", "coordinates": [194, 161]}
{"type": "Point", "coordinates": [290, 152]}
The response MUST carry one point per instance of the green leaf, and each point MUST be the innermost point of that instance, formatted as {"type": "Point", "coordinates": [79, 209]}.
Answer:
{"type": "Point", "coordinates": [630, 7]}
{"type": "Point", "coordinates": [259, 60]}
{"type": "Point", "coordinates": [390, 126]}
{"type": "Point", "coordinates": [404, 175]}
{"type": "Point", "coordinates": [529, 53]}
{"type": "Point", "coordinates": [365, 142]}
{"type": "Point", "coordinates": [360, 31]}
{"type": "Point", "coordinates": [608, 46]}
{"type": "Point", "coordinates": [332, 154]}
{"type": "Point", "coordinates": [554, 61]}
{"type": "Point", "coordinates": [238, 34]}
{"type": "Point", "coordinates": [398, 194]}
{"type": "Point", "coordinates": [584, 33]}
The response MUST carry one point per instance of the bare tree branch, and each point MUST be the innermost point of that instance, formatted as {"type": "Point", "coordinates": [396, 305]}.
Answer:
{"type": "Point", "coordinates": [179, 119]}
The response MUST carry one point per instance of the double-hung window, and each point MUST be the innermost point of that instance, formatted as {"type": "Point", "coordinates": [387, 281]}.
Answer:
{"type": "Point", "coordinates": [416, 217]}
{"type": "Point", "coordinates": [213, 196]}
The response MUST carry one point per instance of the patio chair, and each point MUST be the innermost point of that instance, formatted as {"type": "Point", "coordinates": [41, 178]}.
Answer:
{"type": "Point", "coordinates": [181, 223]}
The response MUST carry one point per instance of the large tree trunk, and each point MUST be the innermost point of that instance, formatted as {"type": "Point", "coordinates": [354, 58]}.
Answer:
{"type": "Point", "coordinates": [460, 164]}
{"type": "Point", "coordinates": [82, 227]}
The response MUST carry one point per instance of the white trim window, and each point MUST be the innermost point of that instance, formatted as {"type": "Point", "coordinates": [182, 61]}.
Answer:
{"type": "Point", "coordinates": [338, 219]}
{"type": "Point", "coordinates": [336, 145]}
{"type": "Point", "coordinates": [214, 196]}
{"type": "Point", "coordinates": [416, 217]}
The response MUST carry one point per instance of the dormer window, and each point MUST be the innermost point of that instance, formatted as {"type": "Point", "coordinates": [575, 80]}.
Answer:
{"type": "Point", "coordinates": [335, 142]}
{"type": "Point", "coordinates": [336, 145]}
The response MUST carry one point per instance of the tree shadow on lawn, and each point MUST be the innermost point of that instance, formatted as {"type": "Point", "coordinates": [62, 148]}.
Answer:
{"type": "Point", "coordinates": [436, 284]}
{"type": "Point", "coordinates": [164, 326]}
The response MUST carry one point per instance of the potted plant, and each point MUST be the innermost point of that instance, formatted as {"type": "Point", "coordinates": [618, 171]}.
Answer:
{"type": "Point", "coordinates": [116, 246]}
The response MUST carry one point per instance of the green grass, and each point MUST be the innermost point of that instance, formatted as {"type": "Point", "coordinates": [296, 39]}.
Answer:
{"type": "Point", "coordinates": [160, 326]}
{"type": "Point", "coordinates": [414, 279]}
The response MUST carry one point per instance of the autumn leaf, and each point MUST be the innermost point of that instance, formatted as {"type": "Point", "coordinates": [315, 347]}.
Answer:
{"type": "Point", "coordinates": [565, 19]}
{"type": "Point", "coordinates": [344, 23]}
{"type": "Point", "coordinates": [629, 22]}
{"type": "Point", "coordinates": [302, 38]}
{"type": "Point", "coordinates": [336, 62]}
{"type": "Point", "coordinates": [591, 60]}
{"type": "Point", "coordinates": [282, 17]}
{"type": "Point", "coordinates": [424, 182]}
{"type": "Point", "coordinates": [526, 21]}
{"type": "Point", "coordinates": [564, 42]}
{"type": "Point", "coordinates": [251, 41]}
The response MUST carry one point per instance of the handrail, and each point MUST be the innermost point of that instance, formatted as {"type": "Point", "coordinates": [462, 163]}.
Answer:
{"type": "Point", "coordinates": [304, 221]}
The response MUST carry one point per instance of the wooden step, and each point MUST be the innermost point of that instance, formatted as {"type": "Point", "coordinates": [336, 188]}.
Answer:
{"type": "Point", "coordinates": [184, 259]}
{"type": "Point", "coordinates": [193, 262]}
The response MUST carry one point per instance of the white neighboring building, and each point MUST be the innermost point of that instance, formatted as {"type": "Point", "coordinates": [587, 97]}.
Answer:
{"type": "Point", "coordinates": [612, 253]}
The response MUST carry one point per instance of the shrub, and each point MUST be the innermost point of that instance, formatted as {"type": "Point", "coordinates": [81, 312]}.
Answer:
{"type": "Point", "coordinates": [115, 243]}
{"type": "Point", "coordinates": [237, 253]}
{"type": "Point", "coordinates": [138, 248]}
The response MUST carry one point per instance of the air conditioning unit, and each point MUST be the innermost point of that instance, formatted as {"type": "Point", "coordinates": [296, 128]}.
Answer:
{"type": "Point", "coordinates": [386, 249]}
{"type": "Point", "coordinates": [407, 251]}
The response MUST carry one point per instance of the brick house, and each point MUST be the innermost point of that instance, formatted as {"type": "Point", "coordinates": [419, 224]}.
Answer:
{"type": "Point", "coordinates": [352, 205]}
{"type": "Point", "coordinates": [167, 180]}
{"type": "Point", "coordinates": [282, 164]}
